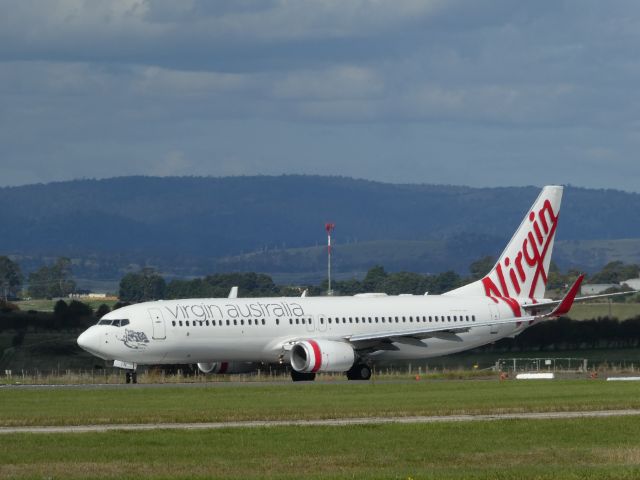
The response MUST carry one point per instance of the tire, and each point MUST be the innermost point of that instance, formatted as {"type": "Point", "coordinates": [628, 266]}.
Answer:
{"type": "Point", "coordinates": [359, 371]}
{"type": "Point", "coordinates": [302, 377]}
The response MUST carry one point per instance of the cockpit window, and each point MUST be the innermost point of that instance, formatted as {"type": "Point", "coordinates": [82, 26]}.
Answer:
{"type": "Point", "coordinates": [115, 323]}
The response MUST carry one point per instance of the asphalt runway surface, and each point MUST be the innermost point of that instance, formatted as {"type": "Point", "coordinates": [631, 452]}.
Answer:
{"type": "Point", "coordinates": [324, 422]}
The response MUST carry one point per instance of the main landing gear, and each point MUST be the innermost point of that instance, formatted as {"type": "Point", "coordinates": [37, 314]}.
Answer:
{"type": "Point", "coordinates": [131, 376]}
{"type": "Point", "coordinates": [360, 371]}
{"type": "Point", "coordinates": [302, 377]}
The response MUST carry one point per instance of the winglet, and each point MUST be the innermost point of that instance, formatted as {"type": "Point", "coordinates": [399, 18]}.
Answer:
{"type": "Point", "coordinates": [567, 302]}
{"type": "Point", "coordinates": [233, 293]}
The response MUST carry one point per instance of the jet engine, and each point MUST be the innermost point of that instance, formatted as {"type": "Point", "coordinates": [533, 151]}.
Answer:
{"type": "Point", "coordinates": [226, 367]}
{"type": "Point", "coordinates": [310, 356]}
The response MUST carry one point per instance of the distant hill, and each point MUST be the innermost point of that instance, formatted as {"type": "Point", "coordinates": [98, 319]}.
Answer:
{"type": "Point", "coordinates": [192, 226]}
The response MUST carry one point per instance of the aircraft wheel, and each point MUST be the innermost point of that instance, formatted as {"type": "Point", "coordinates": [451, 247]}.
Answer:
{"type": "Point", "coordinates": [359, 371]}
{"type": "Point", "coordinates": [302, 377]}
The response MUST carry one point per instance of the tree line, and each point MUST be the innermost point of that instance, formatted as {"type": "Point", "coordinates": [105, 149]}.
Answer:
{"type": "Point", "coordinates": [567, 334]}
{"type": "Point", "coordinates": [49, 281]}
{"type": "Point", "coordinates": [56, 280]}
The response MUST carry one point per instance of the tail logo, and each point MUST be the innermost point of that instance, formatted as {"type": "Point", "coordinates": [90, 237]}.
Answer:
{"type": "Point", "coordinates": [528, 262]}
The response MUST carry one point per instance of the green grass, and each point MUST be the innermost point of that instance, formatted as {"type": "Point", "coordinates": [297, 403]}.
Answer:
{"type": "Point", "coordinates": [603, 448]}
{"type": "Point", "coordinates": [588, 311]}
{"type": "Point", "coordinates": [43, 305]}
{"type": "Point", "coordinates": [104, 405]}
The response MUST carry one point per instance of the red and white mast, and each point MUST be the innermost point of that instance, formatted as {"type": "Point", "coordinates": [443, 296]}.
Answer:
{"type": "Point", "coordinates": [329, 228]}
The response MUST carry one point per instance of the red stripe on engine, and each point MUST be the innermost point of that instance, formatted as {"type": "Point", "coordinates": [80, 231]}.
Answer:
{"type": "Point", "coordinates": [223, 367]}
{"type": "Point", "coordinates": [316, 354]}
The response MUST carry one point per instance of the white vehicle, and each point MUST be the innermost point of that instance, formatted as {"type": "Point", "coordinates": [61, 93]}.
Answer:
{"type": "Point", "coordinates": [342, 334]}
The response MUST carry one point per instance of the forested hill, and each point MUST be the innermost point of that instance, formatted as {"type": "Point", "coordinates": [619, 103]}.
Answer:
{"type": "Point", "coordinates": [145, 217]}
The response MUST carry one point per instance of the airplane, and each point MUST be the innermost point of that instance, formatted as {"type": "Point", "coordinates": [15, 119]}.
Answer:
{"type": "Point", "coordinates": [342, 334]}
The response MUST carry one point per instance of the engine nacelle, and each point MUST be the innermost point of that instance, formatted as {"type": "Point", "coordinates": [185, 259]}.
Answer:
{"type": "Point", "coordinates": [310, 356]}
{"type": "Point", "coordinates": [226, 367]}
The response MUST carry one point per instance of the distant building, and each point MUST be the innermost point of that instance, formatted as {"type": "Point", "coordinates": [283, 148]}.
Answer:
{"type": "Point", "coordinates": [633, 283]}
{"type": "Point", "coordinates": [87, 294]}
{"type": "Point", "coordinates": [596, 288]}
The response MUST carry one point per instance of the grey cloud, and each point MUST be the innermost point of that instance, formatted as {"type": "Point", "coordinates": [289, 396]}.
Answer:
{"type": "Point", "coordinates": [402, 91]}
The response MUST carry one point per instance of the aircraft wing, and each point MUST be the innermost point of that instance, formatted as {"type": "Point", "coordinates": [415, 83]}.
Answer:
{"type": "Point", "coordinates": [450, 332]}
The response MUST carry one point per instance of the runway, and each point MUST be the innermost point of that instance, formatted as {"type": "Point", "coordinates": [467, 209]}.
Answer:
{"type": "Point", "coordinates": [321, 422]}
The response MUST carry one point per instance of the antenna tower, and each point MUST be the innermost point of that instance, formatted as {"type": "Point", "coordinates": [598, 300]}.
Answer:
{"type": "Point", "coordinates": [329, 228]}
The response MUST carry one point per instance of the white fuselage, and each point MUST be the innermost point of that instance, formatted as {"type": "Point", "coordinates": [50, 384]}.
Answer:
{"type": "Point", "coordinates": [260, 329]}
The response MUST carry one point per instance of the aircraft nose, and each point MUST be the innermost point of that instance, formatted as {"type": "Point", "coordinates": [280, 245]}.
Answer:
{"type": "Point", "coordinates": [88, 341]}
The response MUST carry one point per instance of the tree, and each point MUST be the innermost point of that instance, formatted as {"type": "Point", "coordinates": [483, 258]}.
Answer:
{"type": "Point", "coordinates": [52, 281]}
{"type": "Point", "coordinates": [142, 286]}
{"type": "Point", "coordinates": [481, 267]}
{"type": "Point", "coordinates": [10, 278]}
{"type": "Point", "coordinates": [374, 279]}
{"type": "Point", "coordinates": [615, 272]}
{"type": "Point", "coordinates": [102, 310]}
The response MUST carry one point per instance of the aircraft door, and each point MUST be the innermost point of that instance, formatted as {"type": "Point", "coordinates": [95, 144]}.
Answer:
{"type": "Point", "coordinates": [495, 315]}
{"type": "Point", "coordinates": [157, 322]}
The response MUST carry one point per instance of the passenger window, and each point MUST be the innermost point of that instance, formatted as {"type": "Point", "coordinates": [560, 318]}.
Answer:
{"type": "Point", "coordinates": [173, 323]}
{"type": "Point", "coordinates": [277, 321]}
{"type": "Point", "coordinates": [241, 322]}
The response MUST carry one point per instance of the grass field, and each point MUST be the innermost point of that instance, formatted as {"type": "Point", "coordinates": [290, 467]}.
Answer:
{"type": "Point", "coordinates": [43, 305]}
{"type": "Point", "coordinates": [534, 449]}
{"type": "Point", "coordinates": [588, 311]}
{"type": "Point", "coordinates": [103, 405]}
{"type": "Point", "coordinates": [599, 448]}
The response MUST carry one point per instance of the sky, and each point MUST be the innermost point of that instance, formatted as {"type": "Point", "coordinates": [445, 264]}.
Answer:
{"type": "Point", "coordinates": [479, 93]}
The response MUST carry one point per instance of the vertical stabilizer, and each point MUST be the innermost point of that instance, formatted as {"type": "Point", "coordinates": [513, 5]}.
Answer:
{"type": "Point", "coordinates": [521, 271]}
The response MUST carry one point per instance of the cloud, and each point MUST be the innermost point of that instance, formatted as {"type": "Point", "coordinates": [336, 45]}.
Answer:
{"type": "Point", "coordinates": [408, 90]}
